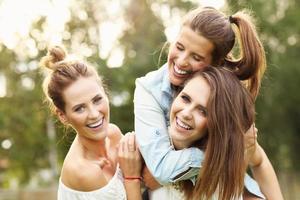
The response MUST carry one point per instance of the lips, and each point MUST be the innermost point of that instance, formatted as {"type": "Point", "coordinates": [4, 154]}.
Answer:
{"type": "Point", "coordinates": [182, 125]}
{"type": "Point", "coordinates": [96, 124]}
{"type": "Point", "coordinates": [180, 72]}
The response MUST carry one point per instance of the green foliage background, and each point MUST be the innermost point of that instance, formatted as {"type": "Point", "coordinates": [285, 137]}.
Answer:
{"type": "Point", "coordinates": [24, 116]}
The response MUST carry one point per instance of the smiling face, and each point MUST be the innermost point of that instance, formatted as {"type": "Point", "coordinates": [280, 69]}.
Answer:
{"type": "Point", "coordinates": [189, 53]}
{"type": "Point", "coordinates": [188, 113]}
{"type": "Point", "coordinates": [87, 108]}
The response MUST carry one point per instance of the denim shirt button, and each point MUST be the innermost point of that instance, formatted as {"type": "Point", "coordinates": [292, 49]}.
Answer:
{"type": "Point", "coordinates": [157, 132]}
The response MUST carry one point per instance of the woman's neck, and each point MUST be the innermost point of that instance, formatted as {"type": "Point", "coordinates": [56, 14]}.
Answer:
{"type": "Point", "coordinates": [92, 149]}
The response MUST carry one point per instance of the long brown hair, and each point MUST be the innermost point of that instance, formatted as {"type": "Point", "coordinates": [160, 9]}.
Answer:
{"type": "Point", "coordinates": [230, 113]}
{"type": "Point", "coordinates": [61, 74]}
{"type": "Point", "coordinates": [222, 31]}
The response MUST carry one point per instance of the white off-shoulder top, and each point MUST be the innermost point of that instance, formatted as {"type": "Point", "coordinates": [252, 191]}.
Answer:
{"type": "Point", "coordinates": [114, 190]}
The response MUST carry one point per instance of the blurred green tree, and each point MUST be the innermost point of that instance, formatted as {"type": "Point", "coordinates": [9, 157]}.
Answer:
{"type": "Point", "coordinates": [278, 113]}
{"type": "Point", "coordinates": [25, 119]}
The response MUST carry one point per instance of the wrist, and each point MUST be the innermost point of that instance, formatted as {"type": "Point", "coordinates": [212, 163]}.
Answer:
{"type": "Point", "coordinates": [133, 178]}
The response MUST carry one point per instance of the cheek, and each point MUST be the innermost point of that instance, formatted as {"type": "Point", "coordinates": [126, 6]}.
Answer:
{"type": "Point", "coordinates": [104, 107]}
{"type": "Point", "coordinates": [174, 109]}
{"type": "Point", "coordinates": [201, 125]}
{"type": "Point", "coordinates": [172, 53]}
{"type": "Point", "coordinates": [197, 66]}
{"type": "Point", "coordinates": [172, 114]}
{"type": "Point", "coordinates": [77, 121]}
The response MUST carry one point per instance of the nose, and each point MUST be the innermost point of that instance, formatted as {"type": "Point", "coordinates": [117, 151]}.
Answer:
{"type": "Point", "coordinates": [187, 112]}
{"type": "Point", "coordinates": [93, 113]}
{"type": "Point", "coordinates": [183, 59]}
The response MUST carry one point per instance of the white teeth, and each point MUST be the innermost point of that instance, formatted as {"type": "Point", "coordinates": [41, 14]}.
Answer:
{"type": "Point", "coordinates": [96, 124]}
{"type": "Point", "coordinates": [183, 125]}
{"type": "Point", "coordinates": [179, 71]}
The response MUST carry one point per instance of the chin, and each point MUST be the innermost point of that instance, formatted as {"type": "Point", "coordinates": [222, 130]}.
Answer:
{"type": "Point", "coordinates": [99, 137]}
{"type": "Point", "coordinates": [179, 145]}
{"type": "Point", "coordinates": [176, 81]}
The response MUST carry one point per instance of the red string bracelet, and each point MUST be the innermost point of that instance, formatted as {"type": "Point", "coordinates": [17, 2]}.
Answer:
{"type": "Point", "coordinates": [133, 178]}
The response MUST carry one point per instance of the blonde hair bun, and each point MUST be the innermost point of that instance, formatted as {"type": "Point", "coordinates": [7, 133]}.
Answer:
{"type": "Point", "coordinates": [55, 54]}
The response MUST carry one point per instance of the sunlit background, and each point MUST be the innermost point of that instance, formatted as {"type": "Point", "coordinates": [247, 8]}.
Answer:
{"type": "Point", "coordinates": [124, 38]}
{"type": "Point", "coordinates": [17, 16]}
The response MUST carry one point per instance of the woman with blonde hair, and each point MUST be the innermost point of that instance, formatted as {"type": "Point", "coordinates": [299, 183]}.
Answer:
{"type": "Point", "coordinates": [100, 164]}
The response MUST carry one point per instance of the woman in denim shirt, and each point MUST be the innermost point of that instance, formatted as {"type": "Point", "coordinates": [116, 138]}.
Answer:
{"type": "Point", "coordinates": [207, 36]}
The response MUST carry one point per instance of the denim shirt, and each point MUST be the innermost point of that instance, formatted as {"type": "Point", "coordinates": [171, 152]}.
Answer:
{"type": "Point", "coordinates": [152, 101]}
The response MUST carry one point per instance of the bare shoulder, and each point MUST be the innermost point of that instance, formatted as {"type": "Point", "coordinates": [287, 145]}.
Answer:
{"type": "Point", "coordinates": [114, 133]}
{"type": "Point", "coordinates": [82, 175]}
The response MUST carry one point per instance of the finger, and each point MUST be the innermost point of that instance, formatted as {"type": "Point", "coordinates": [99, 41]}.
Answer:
{"type": "Point", "coordinates": [256, 131]}
{"type": "Point", "coordinates": [138, 154]}
{"type": "Point", "coordinates": [250, 131]}
{"type": "Point", "coordinates": [126, 143]}
{"type": "Point", "coordinates": [131, 142]}
{"type": "Point", "coordinates": [121, 147]}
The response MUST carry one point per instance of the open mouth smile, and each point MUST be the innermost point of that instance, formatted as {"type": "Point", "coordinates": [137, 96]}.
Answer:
{"type": "Point", "coordinates": [183, 125]}
{"type": "Point", "coordinates": [96, 124]}
{"type": "Point", "coordinates": [180, 73]}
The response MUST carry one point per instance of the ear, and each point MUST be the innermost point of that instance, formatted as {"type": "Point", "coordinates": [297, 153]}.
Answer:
{"type": "Point", "coordinates": [61, 116]}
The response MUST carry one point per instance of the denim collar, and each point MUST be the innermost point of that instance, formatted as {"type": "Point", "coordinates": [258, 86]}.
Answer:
{"type": "Point", "coordinates": [166, 85]}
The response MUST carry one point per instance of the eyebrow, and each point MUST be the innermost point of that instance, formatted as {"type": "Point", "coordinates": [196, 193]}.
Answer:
{"type": "Point", "coordinates": [177, 42]}
{"type": "Point", "coordinates": [182, 92]}
{"type": "Point", "coordinates": [97, 96]}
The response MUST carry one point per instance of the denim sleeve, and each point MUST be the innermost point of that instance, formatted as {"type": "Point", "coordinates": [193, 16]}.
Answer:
{"type": "Point", "coordinates": [166, 164]}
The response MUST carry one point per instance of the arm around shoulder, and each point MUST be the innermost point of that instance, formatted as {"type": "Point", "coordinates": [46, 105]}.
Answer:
{"type": "Point", "coordinates": [265, 175]}
{"type": "Point", "coordinates": [162, 160]}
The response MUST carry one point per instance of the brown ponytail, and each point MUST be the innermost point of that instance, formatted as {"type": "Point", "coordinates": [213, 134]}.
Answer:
{"type": "Point", "coordinates": [222, 31]}
{"type": "Point", "coordinates": [251, 64]}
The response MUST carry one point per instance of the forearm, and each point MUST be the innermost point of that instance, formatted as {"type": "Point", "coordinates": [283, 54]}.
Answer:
{"type": "Point", "coordinates": [130, 163]}
{"type": "Point", "coordinates": [168, 165]}
{"type": "Point", "coordinates": [265, 176]}
{"type": "Point", "coordinates": [133, 189]}
{"type": "Point", "coordinates": [164, 163]}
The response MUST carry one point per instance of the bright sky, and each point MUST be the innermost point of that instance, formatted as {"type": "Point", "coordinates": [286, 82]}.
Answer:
{"type": "Point", "coordinates": [16, 17]}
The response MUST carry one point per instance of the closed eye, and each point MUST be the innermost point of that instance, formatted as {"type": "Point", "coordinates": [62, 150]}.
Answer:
{"type": "Point", "coordinates": [198, 58]}
{"type": "Point", "coordinates": [179, 46]}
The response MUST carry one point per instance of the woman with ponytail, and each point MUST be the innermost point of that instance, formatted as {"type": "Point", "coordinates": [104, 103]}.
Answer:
{"type": "Point", "coordinates": [206, 37]}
